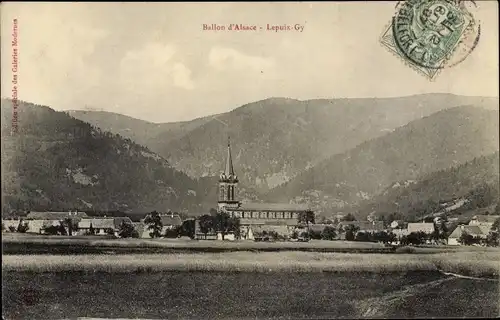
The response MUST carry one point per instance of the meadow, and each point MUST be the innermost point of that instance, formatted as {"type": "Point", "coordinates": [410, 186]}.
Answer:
{"type": "Point", "coordinates": [245, 295]}
{"type": "Point", "coordinates": [38, 244]}
{"type": "Point", "coordinates": [245, 281]}
{"type": "Point", "coordinates": [476, 263]}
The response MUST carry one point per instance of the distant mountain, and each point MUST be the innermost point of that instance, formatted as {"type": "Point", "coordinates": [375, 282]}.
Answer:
{"type": "Point", "coordinates": [152, 135]}
{"type": "Point", "coordinates": [436, 142]}
{"type": "Point", "coordinates": [274, 140]}
{"type": "Point", "coordinates": [469, 186]}
{"type": "Point", "coordinates": [56, 162]}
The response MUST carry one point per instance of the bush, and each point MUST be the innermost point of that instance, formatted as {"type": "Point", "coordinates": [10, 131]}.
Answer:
{"type": "Point", "coordinates": [22, 227]}
{"type": "Point", "coordinates": [414, 238]}
{"type": "Point", "coordinates": [329, 233]}
{"type": "Point", "coordinates": [12, 229]}
{"type": "Point", "coordinates": [127, 230]}
{"type": "Point", "coordinates": [171, 233]}
{"type": "Point", "coordinates": [350, 235]}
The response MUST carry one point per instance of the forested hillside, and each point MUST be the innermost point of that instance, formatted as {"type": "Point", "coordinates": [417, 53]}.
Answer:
{"type": "Point", "coordinates": [56, 162]}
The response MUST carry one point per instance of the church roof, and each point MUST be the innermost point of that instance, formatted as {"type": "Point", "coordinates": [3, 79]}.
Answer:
{"type": "Point", "coordinates": [271, 207]}
{"type": "Point", "coordinates": [268, 222]}
{"type": "Point", "coordinates": [229, 172]}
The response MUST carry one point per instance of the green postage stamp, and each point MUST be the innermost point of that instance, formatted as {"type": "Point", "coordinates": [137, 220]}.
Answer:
{"type": "Point", "coordinates": [430, 35]}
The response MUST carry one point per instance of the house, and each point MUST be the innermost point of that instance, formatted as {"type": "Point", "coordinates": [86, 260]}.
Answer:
{"type": "Point", "coordinates": [38, 226]}
{"type": "Point", "coordinates": [102, 226]}
{"type": "Point", "coordinates": [171, 221]}
{"type": "Point", "coordinates": [425, 227]}
{"type": "Point", "coordinates": [473, 230]}
{"type": "Point", "coordinates": [400, 233]}
{"type": "Point", "coordinates": [168, 220]}
{"type": "Point", "coordinates": [10, 224]}
{"type": "Point", "coordinates": [483, 220]}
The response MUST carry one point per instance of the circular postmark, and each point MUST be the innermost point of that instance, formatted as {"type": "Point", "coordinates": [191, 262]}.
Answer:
{"type": "Point", "coordinates": [435, 34]}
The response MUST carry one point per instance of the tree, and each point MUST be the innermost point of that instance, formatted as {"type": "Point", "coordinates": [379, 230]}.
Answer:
{"type": "Point", "coordinates": [329, 233]}
{"type": "Point", "coordinates": [382, 236]}
{"type": "Point", "coordinates": [70, 224]}
{"type": "Point", "coordinates": [466, 239]}
{"type": "Point", "coordinates": [91, 229]}
{"type": "Point", "coordinates": [492, 240]}
{"type": "Point", "coordinates": [496, 225]}
{"type": "Point", "coordinates": [51, 230]}
{"type": "Point", "coordinates": [213, 212]}
{"type": "Point", "coordinates": [349, 217]}
{"type": "Point", "coordinates": [306, 217]}
{"type": "Point", "coordinates": [391, 237]}
{"type": "Point", "coordinates": [23, 226]}
{"type": "Point", "coordinates": [127, 230]}
{"type": "Point", "coordinates": [350, 232]}
{"type": "Point", "coordinates": [234, 226]}
{"type": "Point", "coordinates": [153, 222]}
{"type": "Point", "coordinates": [187, 228]}
{"type": "Point", "coordinates": [172, 232]}
{"type": "Point", "coordinates": [12, 229]}
{"type": "Point", "coordinates": [316, 235]}
{"type": "Point", "coordinates": [224, 223]}
{"type": "Point", "coordinates": [414, 238]}
{"type": "Point", "coordinates": [207, 223]}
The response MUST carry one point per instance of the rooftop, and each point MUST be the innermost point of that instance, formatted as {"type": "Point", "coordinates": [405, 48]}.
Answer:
{"type": "Point", "coordinates": [272, 207]}
{"type": "Point", "coordinates": [472, 230]}
{"type": "Point", "coordinates": [427, 227]}
{"type": "Point", "coordinates": [269, 222]}
{"type": "Point", "coordinates": [485, 218]}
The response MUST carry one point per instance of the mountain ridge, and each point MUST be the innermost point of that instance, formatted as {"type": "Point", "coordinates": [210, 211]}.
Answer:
{"type": "Point", "coordinates": [403, 154]}
{"type": "Point", "coordinates": [56, 162]}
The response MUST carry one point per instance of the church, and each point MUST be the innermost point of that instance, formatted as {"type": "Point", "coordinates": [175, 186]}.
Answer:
{"type": "Point", "coordinates": [255, 217]}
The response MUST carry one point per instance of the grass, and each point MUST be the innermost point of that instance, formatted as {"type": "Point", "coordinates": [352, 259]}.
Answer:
{"type": "Point", "coordinates": [479, 263]}
{"type": "Point", "coordinates": [177, 243]}
{"type": "Point", "coordinates": [221, 295]}
{"type": "Point", "coordinates": [32, 244]}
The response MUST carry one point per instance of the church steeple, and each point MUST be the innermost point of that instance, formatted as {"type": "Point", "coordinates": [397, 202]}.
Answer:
{"type": "Point", "coordinates": [229, 161]}
{"type": "Point", "coordinates": [227, 183]}
{"type": "Point", "coordinates": [228, 174]}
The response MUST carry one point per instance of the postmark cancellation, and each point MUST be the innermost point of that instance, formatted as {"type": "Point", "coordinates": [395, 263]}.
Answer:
{"type": "Point", "coordinates": [431, 35]}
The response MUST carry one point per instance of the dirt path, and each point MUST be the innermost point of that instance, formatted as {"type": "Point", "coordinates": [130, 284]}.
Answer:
{"type": "Point", "coordinates": [378, 306]}
{"type": "Point", "coordinates": [456, 275]}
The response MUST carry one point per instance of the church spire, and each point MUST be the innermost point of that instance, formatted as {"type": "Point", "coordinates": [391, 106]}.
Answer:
{"type": "Point", "coordinates": [229, 172]}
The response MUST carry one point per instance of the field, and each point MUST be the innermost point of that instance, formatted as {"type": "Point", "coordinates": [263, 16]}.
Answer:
{"type": "Point", "coordinates": [245, 281]}
{"type": "Point", "coordinates": [238, 295]}
{"type": "Point", "coordinates": [477, 264]}
{"type": "Point", "coordinates": [37, 244]}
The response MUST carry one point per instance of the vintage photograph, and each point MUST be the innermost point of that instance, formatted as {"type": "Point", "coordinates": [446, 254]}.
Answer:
{"type": "Point", "coordinates": [267, 160]}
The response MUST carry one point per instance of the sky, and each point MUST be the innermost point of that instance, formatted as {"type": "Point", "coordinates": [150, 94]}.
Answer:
{"type": "Point", "coordinates": [154, 61]}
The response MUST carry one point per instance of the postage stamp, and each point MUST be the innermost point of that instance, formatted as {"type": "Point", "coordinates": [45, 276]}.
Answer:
{"type": "Point", "coordinates": [431, 35]}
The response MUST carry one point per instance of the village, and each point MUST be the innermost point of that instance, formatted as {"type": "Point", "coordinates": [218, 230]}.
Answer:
{"type": "Point", "coordinates": [234, 220]}
{"type": "Point", "coordinates": [480, 230]}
